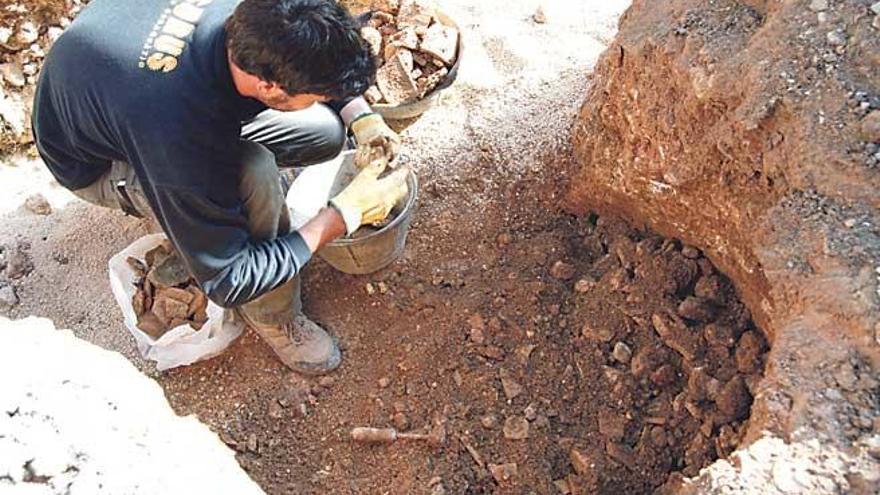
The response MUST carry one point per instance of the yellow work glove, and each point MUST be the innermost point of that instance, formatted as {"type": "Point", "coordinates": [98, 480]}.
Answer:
{"type": "Point", "coordinates": [371, 131]}
{"type": "Point", "coordinates": [369, 199]}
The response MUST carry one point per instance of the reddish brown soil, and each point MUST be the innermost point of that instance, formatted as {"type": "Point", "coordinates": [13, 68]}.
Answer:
{"type": "Point", "coordinates": [474, 302]}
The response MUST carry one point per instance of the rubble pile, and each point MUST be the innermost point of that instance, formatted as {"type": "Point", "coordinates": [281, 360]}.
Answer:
{"type": "Point", "coordinates": [683, 356]}
{"type": "Point", "coordinates": [27, 30]}
{"type": "Point", "coordinates": [414, 49]}
{"type": "Point", "coordinates": [167, 296]}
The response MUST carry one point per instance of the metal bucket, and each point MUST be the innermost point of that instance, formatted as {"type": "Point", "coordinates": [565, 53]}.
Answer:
{"type": "Point", "coordinates": [372, 252]}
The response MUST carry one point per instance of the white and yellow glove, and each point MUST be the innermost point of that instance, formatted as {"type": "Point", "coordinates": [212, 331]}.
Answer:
{"type": "Point", "coordinates": [369, 199]}
{"type": "Point", "coordinates": [370, 130]}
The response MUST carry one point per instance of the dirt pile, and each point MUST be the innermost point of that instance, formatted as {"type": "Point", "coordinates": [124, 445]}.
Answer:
{"type": "Point", "coordinates": [748, 129]}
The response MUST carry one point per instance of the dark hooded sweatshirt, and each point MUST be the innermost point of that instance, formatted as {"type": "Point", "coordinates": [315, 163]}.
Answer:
{"type": "Point", "coordinates": [147, 82]}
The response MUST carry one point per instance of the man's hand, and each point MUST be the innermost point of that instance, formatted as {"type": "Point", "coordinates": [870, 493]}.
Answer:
{"type": "Point", "coordinates": [372, 131]}
{"type": "Point", "coordinates": [368, 199]}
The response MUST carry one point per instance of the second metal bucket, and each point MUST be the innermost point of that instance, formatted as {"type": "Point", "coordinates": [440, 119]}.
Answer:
{"type": "Point", "coordinates": [376, 250]}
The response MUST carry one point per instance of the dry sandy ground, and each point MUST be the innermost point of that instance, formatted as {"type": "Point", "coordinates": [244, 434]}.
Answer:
{"type": "Point", "coordinates": [518, 90]}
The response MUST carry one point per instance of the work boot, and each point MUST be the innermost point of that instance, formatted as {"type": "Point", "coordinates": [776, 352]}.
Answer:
{"type": "Point", "coordinates": [301, 344]}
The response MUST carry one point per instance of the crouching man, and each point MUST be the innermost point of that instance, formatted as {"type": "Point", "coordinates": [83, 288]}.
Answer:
{"type": "Point", "coordinates": [184, 109]}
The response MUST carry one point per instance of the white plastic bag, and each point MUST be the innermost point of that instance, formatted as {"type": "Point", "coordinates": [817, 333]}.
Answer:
{"type": "Point", "coordinates": [182, 345]}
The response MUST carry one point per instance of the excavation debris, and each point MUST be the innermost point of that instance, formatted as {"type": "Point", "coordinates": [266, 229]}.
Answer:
{"type": "Point", "coordinates": [414, 49]}
{"type": "Point", "coordinates": [8, 297]}
{"type": "Point", "coordinates": [539, 16]}
{"type": "Point", "coordinates": [516, 428]}
{"type": "Point", "coordinates": [166, 296]}
{"type": "Point", "coordinates": [504, 473]}
{"type": "Point", "coordinates": [38, 204]}
{"type": "Point", "coordinates": [17, 260]}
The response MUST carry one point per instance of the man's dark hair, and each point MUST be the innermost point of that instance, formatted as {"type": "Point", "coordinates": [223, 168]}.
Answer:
{"type": "Point", "coordinates": [305, 46]}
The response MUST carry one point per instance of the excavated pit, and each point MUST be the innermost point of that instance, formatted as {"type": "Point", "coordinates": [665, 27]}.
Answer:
{"type": "Point", "coordinates": [649, 359]}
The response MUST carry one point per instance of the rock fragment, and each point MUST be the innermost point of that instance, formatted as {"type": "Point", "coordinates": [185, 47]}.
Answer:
{"type": "Point", "coordinates": [415, 13]}
{"type": "Point", "coordinates": [13, 74]}
{"type": "Point", "coordinates": [539, 16]}
{"type": "Point", "coordinates": [27, 33]}
{"type": "Point", "coordinates": [562, 270]}
{"type": "Point", "coordinates": [489, 421]}
{"type": "Point", "coordinates": [511, 387]}
{"type": "Point", "coordinates": [18, 263]}
{"type": "Point", "coordinates": [612, 424]}
{"type": "Point", "coordinates": [477, 329]}
{"type": "Point", "coordinates": [819, 5]}
{"type": "Point", "coordinates": [748, 352]}
{"type": "Point", "coordinates": [845, 376]}
{"type": "Point", "coordinates": [646, 360]}
{"type": "Point", "coordinates": [711, 288]}
{"type": "Point", "coordinates": [621, 453]}
{"type": "Point", "coordinates": [663, 376]}
{"type": "Point", "coordinates": [562, 486]}
{"type": "Point", "coordinates": [696, 309]}
{"type": "Point", "coordinates": [390, 6]}
{"type": "Point", "coordinates": [150, 324]}
{"type": "Point", "coordinates": [503, 473]}
{"type": "Point", "coordinates": [870, 127]}
{"type": "Point", "coordinates": [395, 82]}
{"type": "Point", "coordinates": [719, 336]}
{"type": "Point", "coordinates": [8, 298]}
{"type": "Point", "coordinates": [698, 453]}
{"type": "Point", "coordinates": [581, 462]}
{"type": "Point", "coordinates": [373, 38]}
{"type": "Point", "coordinates": [169, 272]}
{"type": "Point", "coordinates": [373, 95]}
{"type": "Point", "coordinates": [38, 204]}
{"type": "Point", "coordinates": [516, 428]}
{"type": "Point", "coordinates": [836, 38]}
{"type": "Point", "coordinates": [584, 285]}
{"type": "Point", "coordinates": [441, 42]}
{"type": "Point", "coordinates": [622, 353]}
{"type": "Point", "coordinates": [492, 352]}
{"type": "Point", "coordinates": [599, 333]}
{"type": "Point", "coordinates": [427, 84]}
{"type": "Point", "coordinates": [734, 399]}
{"type": "Point", "coordinates": [253, 444]}
{"type": "Point", "coordinates": [400, 421]}
{"type": "Point", "coordinates": [676, 335]}
{"type": "Point", "coordinates": [406, 38]}
{"type": "Point", "coordinates": [165, 295]}
{"type": "Point", "coordinates": [690, 252]}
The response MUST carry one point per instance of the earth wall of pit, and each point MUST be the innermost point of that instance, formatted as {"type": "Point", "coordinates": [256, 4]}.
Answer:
{"type": "Point", "coordinates": [751, 129]}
